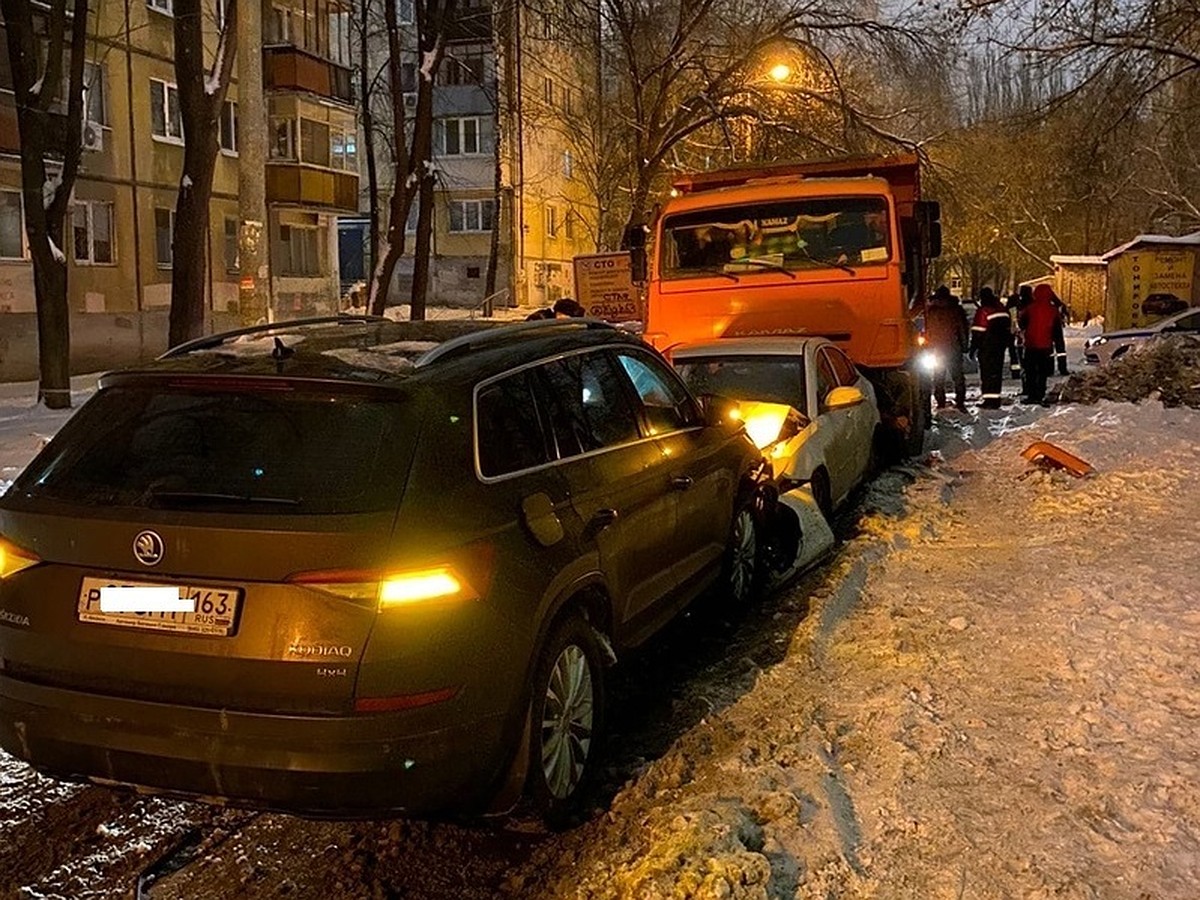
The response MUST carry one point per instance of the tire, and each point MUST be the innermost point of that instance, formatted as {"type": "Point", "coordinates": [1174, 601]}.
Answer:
{"type": "Point", "coordinates": [567, 709]}
{"type": "Point", "coordinates": [822, 493]}
{"type": "Point", "coordinates": [742, 577]}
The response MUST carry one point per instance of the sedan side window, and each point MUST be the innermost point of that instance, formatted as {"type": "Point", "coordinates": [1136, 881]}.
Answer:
{"type": "Point", "coordinates": [847, 375]}
{"type": "Point", "coordinates": [588, 406]}
{"type": "Point", "coordinates": [509, 431]}
{"type": "Point", "coordinates": [665, 401]}
{"type": "Point", "coordinates": [826, 379]}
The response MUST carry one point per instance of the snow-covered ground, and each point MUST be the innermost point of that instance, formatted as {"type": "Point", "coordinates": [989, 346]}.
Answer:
{"type": "Point", "coordinates": [991, 691]}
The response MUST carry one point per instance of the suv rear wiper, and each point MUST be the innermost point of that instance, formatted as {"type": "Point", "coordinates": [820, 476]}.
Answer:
{"type": "Point", "coordinates": [208, 497]}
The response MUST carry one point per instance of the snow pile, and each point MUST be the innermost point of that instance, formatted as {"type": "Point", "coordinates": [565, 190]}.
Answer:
{"type": "Point", "coordinates": [1166, 367]}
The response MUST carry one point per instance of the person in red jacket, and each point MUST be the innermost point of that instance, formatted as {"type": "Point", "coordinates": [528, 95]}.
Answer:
{"type": "Point", "coordinates": [1040, 322]}
{"type": "Point", "coordinates": [991, 336]}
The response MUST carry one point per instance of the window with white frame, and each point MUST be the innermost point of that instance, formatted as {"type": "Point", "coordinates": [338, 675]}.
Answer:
{"type": "Point", "coordinates": [165, 122]}
{"type": "Point", "coordinates": [166, 7]}
{"type": "Point", "coordinates": [568, 164]}
{"type": "Point", "coordinates": [12, 226]}
{"type": "Point", "coordinates": [278, 25]}
{"type": "Point", "coordinates": [569, 225]}
{"type": "Point", "coordinates": [299, 251]}
{"type": "Point", "coordinates": [551, 221]}
{"type": "Point", "coordinates": [464, 137]}
{"type": "Point", "coordinates": [92, 233]}
{"type": "Point", "coordinates": [471, 216]}
{"type": "Point", "coordinates": [548, 90]}
{"type": "Point", "coordinates": [343, 149]}
{"type": "Point", "coordinates": [314, 142]}
{"type": "Point", "coordinates": [227, 127]}
{"type": "Point", "coordinates": [164, 233]}
{"type": "Point", "coordinates": [464, 64]}
{"type": "Point", "coordinates": [339, 38]}
{"type": "Point", "coordinates": [232, 254]}
{"type": "Point", "coordinates": [95, 100]}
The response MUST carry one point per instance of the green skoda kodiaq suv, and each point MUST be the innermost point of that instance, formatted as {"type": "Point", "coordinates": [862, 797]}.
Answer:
{"type": "Point", "coordinates": [371, 571]}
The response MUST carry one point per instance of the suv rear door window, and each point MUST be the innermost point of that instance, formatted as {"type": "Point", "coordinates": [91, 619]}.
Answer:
{"type": "Point", "coordinates": [238, 451]}
{"type": "Point", "coordinates": [510, 435]}
{"type": "Point", "coordinates": [665, 401]}
{"type": "Point", "coordinates": [588, 404]}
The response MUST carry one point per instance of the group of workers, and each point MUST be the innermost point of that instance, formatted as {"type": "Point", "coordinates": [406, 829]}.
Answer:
{"type": "Point", "coordinates": [1028, 328]}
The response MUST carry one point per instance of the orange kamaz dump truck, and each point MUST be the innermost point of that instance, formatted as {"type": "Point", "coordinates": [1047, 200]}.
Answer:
{"type": "Point", "coordinates": [836, 248]}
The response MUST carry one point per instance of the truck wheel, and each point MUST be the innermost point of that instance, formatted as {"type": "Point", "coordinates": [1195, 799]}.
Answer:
{"type": "Point", "coordinates": [567, 714]}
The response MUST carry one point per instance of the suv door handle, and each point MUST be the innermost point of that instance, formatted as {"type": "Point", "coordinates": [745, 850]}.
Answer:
{"type": "Point", "coordinates": [601, 520]}
{"type": "Point", "coordinates": [681, 482]}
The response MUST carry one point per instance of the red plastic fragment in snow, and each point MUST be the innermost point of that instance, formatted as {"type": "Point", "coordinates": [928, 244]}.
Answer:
{"type": "Point", "coordinates": [1058, 458]}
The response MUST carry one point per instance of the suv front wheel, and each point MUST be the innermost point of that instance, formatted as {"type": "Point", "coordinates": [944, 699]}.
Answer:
{"type": "Point", "coordinates": [743, 575]}
{"type": "Point", "coordinates": [567, 714]}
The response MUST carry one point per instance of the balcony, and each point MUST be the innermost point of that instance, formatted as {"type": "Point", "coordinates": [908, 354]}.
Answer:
{"type": "Point", "coordinates": [290, 68]}
{"type": "Point", "coordinates": [300, 185]}
{"type": "Point", "coordinates": [10, 134]}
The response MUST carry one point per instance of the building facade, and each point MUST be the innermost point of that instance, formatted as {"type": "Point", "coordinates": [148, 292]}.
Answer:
{"type": "Point", "coordinates": [507, 102]}
{"type": "Point", "coordinates": [120, 231]}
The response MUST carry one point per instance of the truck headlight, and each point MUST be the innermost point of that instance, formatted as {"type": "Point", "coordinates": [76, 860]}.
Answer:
{"type": "Point", "coordinates": [928, 361]}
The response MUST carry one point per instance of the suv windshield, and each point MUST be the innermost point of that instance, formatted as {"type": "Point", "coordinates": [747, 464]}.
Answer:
{"type": "Point", "coordinates": [244, 451]}
{"type": "Point", "coordinates": [770, 379]}
{"type": "Point", "coordinates": [835, 232]}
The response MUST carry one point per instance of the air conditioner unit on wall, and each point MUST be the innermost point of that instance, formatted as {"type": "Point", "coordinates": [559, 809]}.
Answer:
{"type": "Point", "coordinates": [93, 136]}
{"type": "Point", "coordinates": [410, 100]}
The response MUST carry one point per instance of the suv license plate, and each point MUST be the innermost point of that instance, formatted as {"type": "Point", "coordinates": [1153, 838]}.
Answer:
{"type": "Point", "coordinates": [215, 608]}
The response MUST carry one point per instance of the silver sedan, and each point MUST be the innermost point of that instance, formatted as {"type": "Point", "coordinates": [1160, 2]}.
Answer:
{"type": "Point", "coordinates": [1106, 347]}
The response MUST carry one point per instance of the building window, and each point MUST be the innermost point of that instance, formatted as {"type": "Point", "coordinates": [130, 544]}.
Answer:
{"type": "Point", "coordinates": [464, 64]}
{"type": "Point", "coordinates": [314, 142]}
{"type": "Point", "coordinates": [228, 127]}
{"type": "Point", "coordinates": [569, 101]}
{"type": "Point", "coordinates": [339, 38]}
{"type": "Point", "coordinates": [548, 90]}
{"type": "Point", "coordinates": [404, 12]}
{"type": "Point", "coordinates": [300, 251]}
{"type": "Point", "coordinates": [283, 139]}
{"type": "Point", "coordinates": [164, 232]}
{"type": "Point", "coordinates": [472, 271]}
{"type": "Point", "coordinates": [408, 77]}
{"type": "Point", "coordinates": [471, 216]}
{"type": "Point", "coordinates": [343, 149]}
{"type": "Point", "coordinates": [551, 221]}
{"type": "Point", "coordinates": [278, 26]}
{"type": "Point", "coordinates": [165, 122]}
{"type": "Point", "coordinates": [568, 164]}
{"type": "Point", "coordinates": [95, 101]}
{"type": "Point", "coordinates": [569, 225]}
{"type": "Point", "coordinates": [464, 137]}
{"type": "Point", "coordinates": [92, 233]}
{"type": "Point", "coordinates": [12, 226]}
{"type": "Point", "coordinates": [166, 7]}
{"type": "Point", "coordinates": [410, 224]}
{"type": "Point", "coordinates": [232, 260]}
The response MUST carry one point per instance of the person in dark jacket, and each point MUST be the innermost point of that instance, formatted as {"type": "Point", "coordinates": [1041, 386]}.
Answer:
{"type": "Point", "coordinates": [1060, 340]}
{"type": "Point", "coordinates": [991, 336]}
{"type": "Point", "coordinates": [1039, 320]}
{"type": "Point", "coordinates": [946, 332]}
{"type": "Point", "coordinates": [1013, 305]}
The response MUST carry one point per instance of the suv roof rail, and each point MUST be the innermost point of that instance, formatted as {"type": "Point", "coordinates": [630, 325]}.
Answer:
{"type": "Point", "coordinates": [478, 340]}
{"type": "Point", "coordinates": [215, 340]}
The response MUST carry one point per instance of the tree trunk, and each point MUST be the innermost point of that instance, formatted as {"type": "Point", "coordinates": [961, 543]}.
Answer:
{"type": "Point", "coordinates": [201, 95]}
{"type": "Point", "coordinates": [46, 201]}
{"type": "Point", "coordinates": [366, 94]}
{"type": "Point", "coordinates": [423, 250]}
{"type": "Point", "coordinates": [489, 283]}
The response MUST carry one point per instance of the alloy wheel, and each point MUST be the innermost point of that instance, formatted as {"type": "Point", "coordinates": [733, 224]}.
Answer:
{"type": "Point", "coordinates": [744, 556]}
{"type": "Point", "coordinates": [567, 721]}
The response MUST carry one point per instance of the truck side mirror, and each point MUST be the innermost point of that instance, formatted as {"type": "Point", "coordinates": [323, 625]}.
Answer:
{"type": "Point", "coordinates": [929, 214]}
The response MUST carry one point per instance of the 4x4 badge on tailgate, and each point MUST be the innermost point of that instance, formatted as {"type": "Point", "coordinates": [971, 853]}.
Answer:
{"type": "Point", "coordinates": [148, 548]}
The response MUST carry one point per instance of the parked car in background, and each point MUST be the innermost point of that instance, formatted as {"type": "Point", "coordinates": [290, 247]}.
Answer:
{"type": "Point", "coordinates": [1106, 347]}
{"type": "Point", "coordinates": [803, 401]}
{"type": "Point", "coordinates": [369, 571]}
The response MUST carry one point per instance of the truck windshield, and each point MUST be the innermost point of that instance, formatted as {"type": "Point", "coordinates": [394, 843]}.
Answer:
{"type": "Point", "coordinates": [819, 233]}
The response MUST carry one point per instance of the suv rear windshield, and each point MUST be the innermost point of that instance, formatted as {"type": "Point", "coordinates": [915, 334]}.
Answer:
{"type": "Point", "coordinates": [244, 451]}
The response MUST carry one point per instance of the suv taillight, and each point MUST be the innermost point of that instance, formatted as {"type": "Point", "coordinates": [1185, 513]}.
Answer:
{"type": "Point", "coordinates": [13, 558]}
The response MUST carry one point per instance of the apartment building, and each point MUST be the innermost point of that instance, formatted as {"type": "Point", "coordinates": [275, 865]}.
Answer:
{"type": "Point", "coordinates": [506, 152]}
{"type": "Point", "coordinates": [120, 230]}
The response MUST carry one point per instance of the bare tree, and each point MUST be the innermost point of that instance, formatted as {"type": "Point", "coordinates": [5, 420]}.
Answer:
{"type": "Point", "coordinates": [412, 147]}
{"type": "Point", "coordinates": [202, 89]}
{"type": "Point", "coordinates": [39, 37]}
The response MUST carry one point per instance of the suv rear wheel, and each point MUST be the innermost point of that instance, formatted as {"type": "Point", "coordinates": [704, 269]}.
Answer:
{"type": "Point", "coordinates": [568, 711]}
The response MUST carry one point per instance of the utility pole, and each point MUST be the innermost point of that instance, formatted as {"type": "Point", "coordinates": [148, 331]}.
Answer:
{"type": "Point", "coordinates": [254, 287]}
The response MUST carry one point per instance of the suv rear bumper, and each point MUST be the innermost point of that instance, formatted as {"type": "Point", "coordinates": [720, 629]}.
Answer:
{"type": "Point", "coordinates": [321, 766]}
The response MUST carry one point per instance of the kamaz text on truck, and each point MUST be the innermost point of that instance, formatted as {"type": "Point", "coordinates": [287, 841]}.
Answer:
{"type": "Point", "coordinates": [834, 248]}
